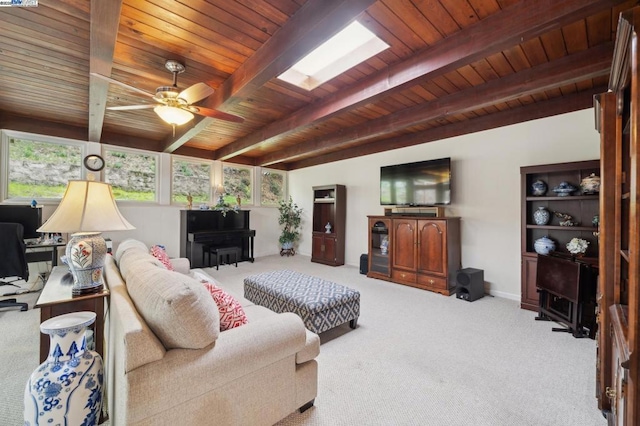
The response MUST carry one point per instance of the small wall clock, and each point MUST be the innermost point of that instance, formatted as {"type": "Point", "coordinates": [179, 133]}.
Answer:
{"type": "Point", "coordinates": [94, 162]}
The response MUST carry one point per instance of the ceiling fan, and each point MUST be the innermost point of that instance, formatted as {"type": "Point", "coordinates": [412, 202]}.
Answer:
{"type": "Point", "coordinates": [174, 106]}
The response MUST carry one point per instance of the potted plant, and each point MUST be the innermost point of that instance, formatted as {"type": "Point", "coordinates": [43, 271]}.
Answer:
{"type": "Point", "coordinates": [290, 218]}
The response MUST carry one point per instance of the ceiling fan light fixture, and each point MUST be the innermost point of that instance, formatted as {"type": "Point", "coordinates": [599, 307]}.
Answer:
{"type": "Point", "coordinates": [166, 94]}
{"type": "Point", "coordinates": [172, 115]}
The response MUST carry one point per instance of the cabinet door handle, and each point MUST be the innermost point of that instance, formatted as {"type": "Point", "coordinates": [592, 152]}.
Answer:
{"type": "Point", "coordinates": [610, 392]}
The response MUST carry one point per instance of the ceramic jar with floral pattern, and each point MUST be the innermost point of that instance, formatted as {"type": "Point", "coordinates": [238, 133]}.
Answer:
{"type": "Point", "coordinates": [541, 216]}
{"type": "Point", "coordinates": [66, 389]}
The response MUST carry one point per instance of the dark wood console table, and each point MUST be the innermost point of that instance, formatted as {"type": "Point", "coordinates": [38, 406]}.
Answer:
{"type": "Point", "coordinates": [43, 252]}
{"type": "Point", "coordinates": [56, 299]}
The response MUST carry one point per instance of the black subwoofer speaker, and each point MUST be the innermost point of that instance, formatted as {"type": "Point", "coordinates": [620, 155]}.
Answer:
{"type": "Point", "coordinates": [364, 263]}
{"type": "Point", "coordinates": [470, 284]}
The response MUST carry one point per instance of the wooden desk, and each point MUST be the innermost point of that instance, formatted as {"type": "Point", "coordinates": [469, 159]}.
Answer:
{"type": "Point", "coordinates": [56, 299]}
{"type": "Point", "coordinates": [50, 253]}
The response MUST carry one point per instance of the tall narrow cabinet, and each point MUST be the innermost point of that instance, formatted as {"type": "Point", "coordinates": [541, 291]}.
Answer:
{"type": "Point", "coordinates": [329, 222]}
{"type": "Point", "coordinates": [617, 120]}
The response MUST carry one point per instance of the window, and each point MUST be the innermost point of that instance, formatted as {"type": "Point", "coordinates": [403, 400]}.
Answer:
{"type": "Point", "coordinates": [237, 182]}
{"type": "Point", "coordinates": [272, 187]}
{"type": "Point", "coordinates": [132, 174]}
{"type": "Point", "coordinates": [190, 177]}
{"type": "Point", "coordinates": [38, 166]}
{"type": "Point", "coordinates": [348, 48]}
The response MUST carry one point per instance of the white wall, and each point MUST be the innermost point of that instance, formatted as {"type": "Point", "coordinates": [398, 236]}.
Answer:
{"type": "Point", "coordinates": [486, 194]}
{"type": "Point", "coordinates": [486, 188]}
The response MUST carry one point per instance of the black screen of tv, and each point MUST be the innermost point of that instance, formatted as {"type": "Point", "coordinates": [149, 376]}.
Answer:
{"type": "Point", "coordinates": [29, 217]}
{"type": "Point", "coordinates": [423, 183]}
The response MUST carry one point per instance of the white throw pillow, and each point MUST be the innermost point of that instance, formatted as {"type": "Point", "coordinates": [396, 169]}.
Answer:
{"type": "Point", "coordinates": [178, 309]}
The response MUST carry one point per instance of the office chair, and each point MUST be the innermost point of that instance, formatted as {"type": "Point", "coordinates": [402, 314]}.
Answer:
{"type": "Point", "coordinates": [13, 260]}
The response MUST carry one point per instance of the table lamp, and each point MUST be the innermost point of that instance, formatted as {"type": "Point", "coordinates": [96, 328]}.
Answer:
{"type": "Point", "coordinates": [87, 209]}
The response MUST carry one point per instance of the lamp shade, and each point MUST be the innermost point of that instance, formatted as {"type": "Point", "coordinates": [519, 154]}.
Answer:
{"type": "Point", "coordinates": [87, 209]}
{"type": "Point", "coordinates": [87, 206]}
{"type": "Point", "coordinates": [173, 115]}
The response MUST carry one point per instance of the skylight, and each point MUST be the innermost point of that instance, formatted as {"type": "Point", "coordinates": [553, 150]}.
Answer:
{"type": "Point", "coordinates": [345, 50]}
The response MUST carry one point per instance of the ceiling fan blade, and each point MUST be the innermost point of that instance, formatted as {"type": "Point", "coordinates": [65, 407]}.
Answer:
{"type": "Point", "coordinates": [196, 93]}
{"type": "Point", "coordinates": [208, 112]}
{"type": "Point", "coordinates": [125, 85]}
{"type": "Point", "coordinates": [130, 107]}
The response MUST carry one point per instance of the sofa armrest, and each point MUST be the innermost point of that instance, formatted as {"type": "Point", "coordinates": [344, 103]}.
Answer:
{"type": "Point", "coordinates": [262, 342]}
{"type": "Point", "coordinates": [181, 264]}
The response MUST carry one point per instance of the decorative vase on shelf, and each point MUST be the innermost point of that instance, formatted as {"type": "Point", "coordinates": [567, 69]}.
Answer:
{"type": "Point", "coordinates": [66, 389]}
{"type": "Point", "coordinates": [590, 185]}
{"type": "Point", "coordinates": [328, 228]}
{"type": "Point", "coordinates": [541, 216]}
{"type": "Point", "coordinates": [564, 189]}
{"type": "Point", "coordinates": [384, 245]}
{"type": "Point", "coordinates": [538, 188]}
{"type": "Point", "coordinates": [544, 245]}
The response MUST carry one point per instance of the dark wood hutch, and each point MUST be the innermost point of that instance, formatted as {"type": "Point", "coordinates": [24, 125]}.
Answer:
{"type": "Point", "coordinates": [329, 224]}
{"type": "Point", "coordinates": [581, 207]}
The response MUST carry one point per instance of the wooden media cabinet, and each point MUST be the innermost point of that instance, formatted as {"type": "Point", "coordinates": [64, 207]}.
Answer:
{"type": "Point", "coordinates": [423, 252]}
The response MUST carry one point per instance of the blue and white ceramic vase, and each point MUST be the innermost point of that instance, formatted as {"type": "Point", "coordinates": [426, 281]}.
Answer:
{"type": "Point", "coordinates": [544, 245]}
{"type": "Point", "coordinates": [564, 189]}
{"type": "Point", "coordinates": [538, 188]}
{"type": "Point", "coordinates": [541, 216]}
{"type": "Point", "coordinates": [66, 389]}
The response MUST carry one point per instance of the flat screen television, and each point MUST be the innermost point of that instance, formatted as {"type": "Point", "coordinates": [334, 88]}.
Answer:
{"type": "Point", "coordinates": [29, 217]}
{"type": "Point", "coordinates": [419, 184]}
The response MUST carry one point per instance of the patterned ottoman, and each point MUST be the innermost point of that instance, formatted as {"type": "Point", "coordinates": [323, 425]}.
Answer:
{"type": "Point", "coordinates": [320, 303]}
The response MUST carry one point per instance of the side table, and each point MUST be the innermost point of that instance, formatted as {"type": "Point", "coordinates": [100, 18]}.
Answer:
{"type": "Point", "coordinates": [56, 299]}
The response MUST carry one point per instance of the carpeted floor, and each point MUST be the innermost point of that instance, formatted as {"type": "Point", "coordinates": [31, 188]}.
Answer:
{"type": "Point", "coordinates": [416, 358]}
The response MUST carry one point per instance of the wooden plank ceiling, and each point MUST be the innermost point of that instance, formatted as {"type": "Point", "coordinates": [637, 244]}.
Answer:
{"type": "Point", "coordinates": [453, 67]}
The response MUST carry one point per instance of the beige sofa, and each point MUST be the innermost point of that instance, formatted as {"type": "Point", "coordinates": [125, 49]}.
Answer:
{"type": "Point", "coordinates": [168, 363]}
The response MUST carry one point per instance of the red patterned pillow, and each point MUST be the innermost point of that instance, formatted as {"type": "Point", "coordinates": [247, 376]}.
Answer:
{"type": "Point", "coordinates": [231, 313]}
{"type": "Point", "coordinates": [159, 253]}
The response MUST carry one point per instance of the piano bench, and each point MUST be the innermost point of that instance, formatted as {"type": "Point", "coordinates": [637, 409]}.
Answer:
{"type": "Point", "coordinates": [222, 252]}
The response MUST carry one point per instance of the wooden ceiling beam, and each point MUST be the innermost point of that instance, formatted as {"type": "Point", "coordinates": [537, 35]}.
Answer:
{"type": "Point", "coordinates": [313, 24]}
{"type": "Point", "coordinates": [23, 123]}
{"type": "Point", "coordinates": [561, 105]}
{"type": "Point", "coordinates": [105, 16]}
{"type": "Point", "coordinates": [567, 70]}
{"type": "Point", "coordinates": [518, 23]}
{"type": "Point", "coordinates": [118, 139]}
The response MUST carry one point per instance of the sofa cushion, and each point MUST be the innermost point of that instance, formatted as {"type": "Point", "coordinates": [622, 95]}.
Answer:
{"type": "Point", "coordinates": [231, 313]}
{"type": "Point", "coordinates": [133, 256]}
{"type": "Point", "coordinates": [129, 244]}
{"type": "Point", "coordinates": [159, 253]}
{"type": "Point", "coordinates": [178, 309]}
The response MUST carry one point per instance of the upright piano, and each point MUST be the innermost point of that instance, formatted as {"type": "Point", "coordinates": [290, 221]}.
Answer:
{"type": "Point", "coordinates": [209, 229]}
